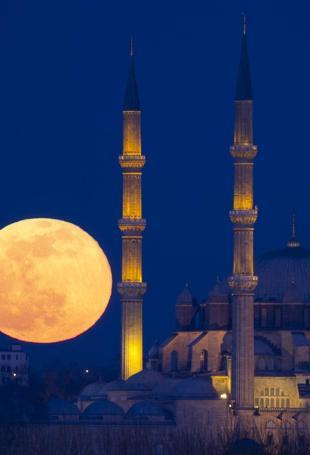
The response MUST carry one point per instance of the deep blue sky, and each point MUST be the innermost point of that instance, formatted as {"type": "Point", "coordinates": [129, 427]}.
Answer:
{"type": "Point", "coordinates": [63, 68]}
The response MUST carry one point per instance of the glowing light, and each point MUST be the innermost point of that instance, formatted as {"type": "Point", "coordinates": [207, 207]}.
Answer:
{"type": "Point", "coordinates": [223, 396]}
{"type": "Point", "coordinates": [55, 281]}
{"type": "Point", "coordinates": [86, 371]}
{"type": "Point", "coordinates": [14, 374]}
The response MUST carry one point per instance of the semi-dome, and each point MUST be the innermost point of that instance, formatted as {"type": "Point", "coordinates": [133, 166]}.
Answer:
{"type": "Point", "coordinates": [94, 389]}
{"type": "Point", "coordinates": [102, 408]}
{"type": "Point", "coordinates": [147, 409]}
{"type": "Point", "coordinates": [144, 380]}
{"type": "Point", "coordinates": [284, 274]}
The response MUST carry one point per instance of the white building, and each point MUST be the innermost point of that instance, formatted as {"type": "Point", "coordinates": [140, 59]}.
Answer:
{"type": "Point", "coordinates": [14, 365]}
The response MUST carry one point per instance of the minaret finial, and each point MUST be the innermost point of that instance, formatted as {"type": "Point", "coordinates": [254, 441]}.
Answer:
{"type": "Point", "coordinates": [244, 23]}
{"type": "Point", "coordinates": [293, 242]}
{"type": "Point", "coordinates": [131, 47]}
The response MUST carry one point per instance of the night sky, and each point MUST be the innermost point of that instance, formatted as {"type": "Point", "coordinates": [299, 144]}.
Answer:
{"type": "Point", "coordinates": [63, 69]}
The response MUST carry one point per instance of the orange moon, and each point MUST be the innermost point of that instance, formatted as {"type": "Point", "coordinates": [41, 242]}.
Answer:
{"type": "Point", "coordinates": [55, 280]}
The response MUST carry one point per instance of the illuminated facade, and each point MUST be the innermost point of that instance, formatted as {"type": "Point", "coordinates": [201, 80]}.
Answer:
{"type": "Point", "coordinates": [131, 225]}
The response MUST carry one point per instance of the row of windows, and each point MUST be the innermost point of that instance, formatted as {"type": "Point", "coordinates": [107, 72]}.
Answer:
{"type": "Point", "coordinates": [8, 369]}
{"type": "Point", "coordinates": [276, 316]}
{"type": "Point", "coordinates": [9, 356]}
{"type": "Point", "coordinates": [273, 391]}
{"type": "Point", "coordinates": [273, 402]}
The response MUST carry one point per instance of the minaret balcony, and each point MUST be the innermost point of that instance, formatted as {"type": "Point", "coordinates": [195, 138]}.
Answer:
{"type": "Point", "coordinates": [243, 217]}
{"type": "Point", "coordinates": [131, 290]}
{"type": "Point", "coordinates": [242, 282]}
{"type": "Point", "coordinates": [244, 152]}
{"type": "Point", "coordinates": [132, 225]}
{"type": "Point", "coordinates": [132, 162]}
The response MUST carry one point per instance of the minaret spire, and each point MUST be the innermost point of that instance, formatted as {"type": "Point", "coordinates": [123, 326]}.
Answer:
{"type": "Point", "coordinates": [244, 85]}
{"type": "Point", "coordinates": [243, 216]}
{"type": "Point", "coordinates": [293, 242]}
{"type": "Point", "coordinates": [131, 225]}
{"type": "Point", "coordinates": [131, 98]}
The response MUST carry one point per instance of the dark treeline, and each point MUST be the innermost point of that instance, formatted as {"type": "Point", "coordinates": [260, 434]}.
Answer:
{"type": "Point", "coordinates": [97, 440]}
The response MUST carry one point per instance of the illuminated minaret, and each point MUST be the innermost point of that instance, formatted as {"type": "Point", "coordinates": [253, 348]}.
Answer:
{"type": "Point", "coordinates": [243, 216]}
{"type": "Point", "coordinates": [131, 226]}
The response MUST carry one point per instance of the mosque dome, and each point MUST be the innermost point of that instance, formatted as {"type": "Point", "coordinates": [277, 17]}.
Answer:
{"type": "Point", "coordinates": [147, 409]}
{"type": "Point", "coordinates": [94, 389]}
{"type": "Point", "coordinates": [144, 380]}
{"type": "Point", "coordinates": [284, 274]}
{"type": "Point", "coordinates": [102, 408]}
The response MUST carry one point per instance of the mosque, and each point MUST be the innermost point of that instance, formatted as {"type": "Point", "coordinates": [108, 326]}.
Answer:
{"type": "Point", "coordinates": [240, 358]}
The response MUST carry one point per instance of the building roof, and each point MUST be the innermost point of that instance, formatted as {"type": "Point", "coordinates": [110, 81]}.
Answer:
{"type": "Point", "coordinates": [102, 408]}
{"type": "Point", "coordinates": [147, 408]}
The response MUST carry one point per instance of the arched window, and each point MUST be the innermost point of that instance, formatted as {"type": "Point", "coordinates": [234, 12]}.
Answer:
{"type": "Point", "coordinates": [204, 360]}
{"type": "Point", "coordinates": [174, 361]}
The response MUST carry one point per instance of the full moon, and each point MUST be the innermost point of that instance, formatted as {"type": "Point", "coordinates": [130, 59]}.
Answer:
{"type": "Point", "coordinates": [55, 280]}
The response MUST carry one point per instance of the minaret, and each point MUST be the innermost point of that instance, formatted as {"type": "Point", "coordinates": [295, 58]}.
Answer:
{"type": "Point", "coordinates": [243, 216]}
{"type": "Point", "coordinates": [131, 225]}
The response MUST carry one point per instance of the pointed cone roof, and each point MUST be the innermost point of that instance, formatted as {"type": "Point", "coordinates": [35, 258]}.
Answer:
{"type": "Point", "coordinates": [131, 99]}
{"type": "Point", "coordinates": [186, 297]}
{"type": "Point", "coordinates": [293, 242]}
{"type": "Point", "coordinates": [244, 86]}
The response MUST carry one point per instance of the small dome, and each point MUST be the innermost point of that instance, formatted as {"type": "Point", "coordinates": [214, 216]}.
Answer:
{"type": "Point", "coordinates": [144, 380]}
{"type": "Point", "coordinates": [117, 384]}
{"type": "Point", "coordinates": [154, 351]}
{"type": "Point", "coordinates": [95, 389]}
{"type": "Point", "coordinates": [147, 408]}
{"type": "Point", "coordinates": [102, 408]}
{"type": "Point", "coordinates": [61, 407]}
{"type": "Point", "coordinates": [194, 388]}
{"type": "Point", "coordinates": [219, 292]}
{"type": "Point", "coordinates": [186, 297]}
